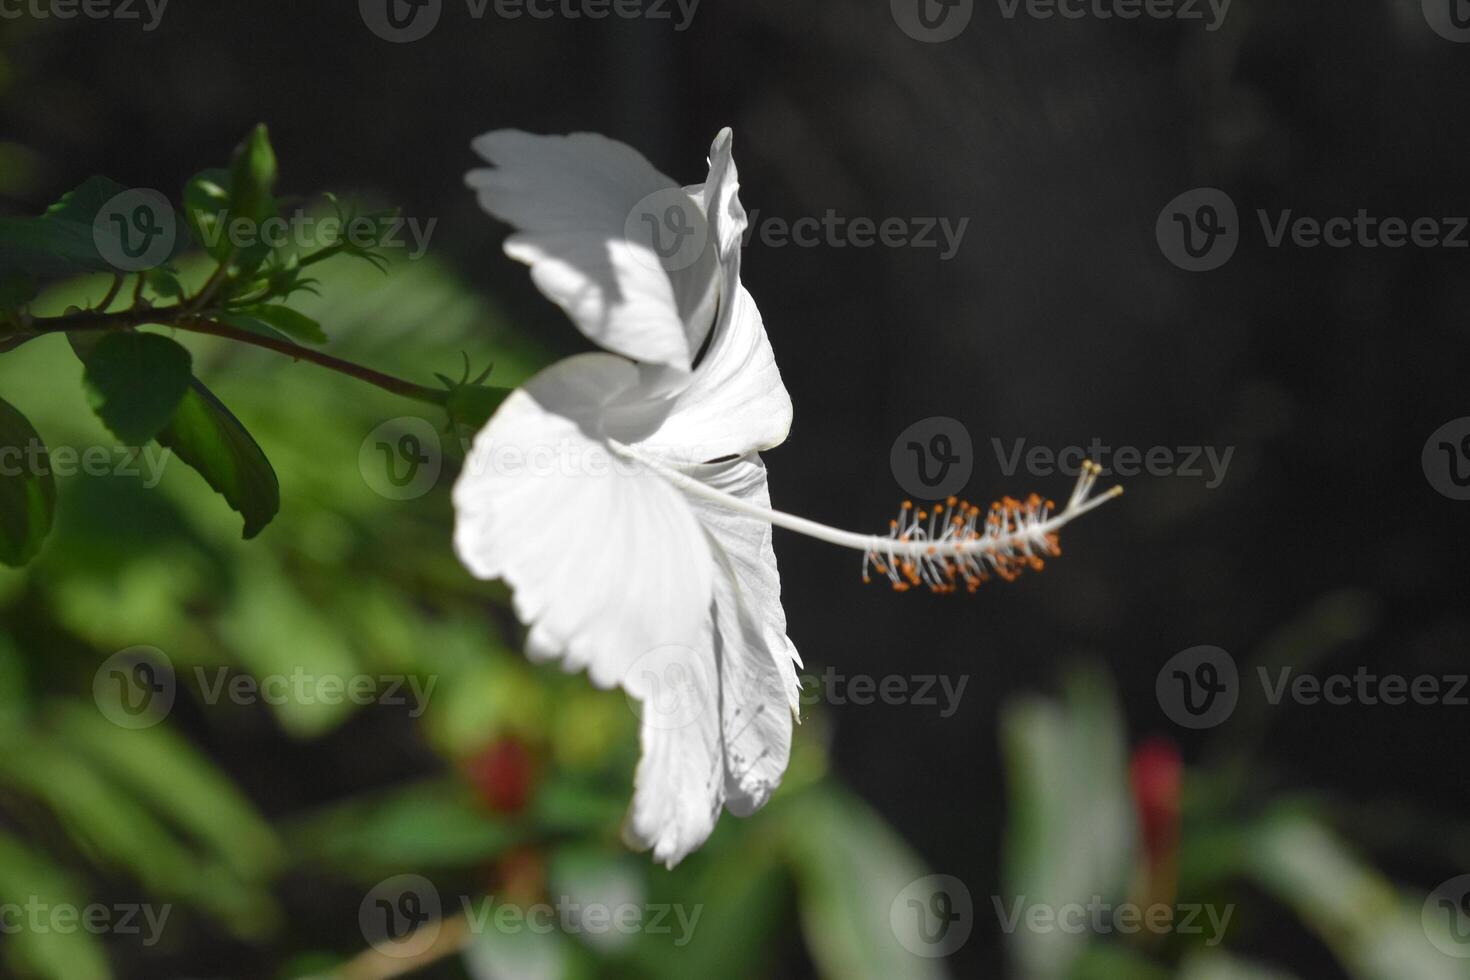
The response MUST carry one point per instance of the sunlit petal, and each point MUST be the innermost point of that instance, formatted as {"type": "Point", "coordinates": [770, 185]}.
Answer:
{"type": "Point", "coordinates": [571, 199]}
{"type": "Point", "coordinates": [759, 690]}
{"type": "Point", "coordinates": [606, 561]}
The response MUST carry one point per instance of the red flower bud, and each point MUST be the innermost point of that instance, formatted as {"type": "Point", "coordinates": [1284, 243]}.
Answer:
{"type": "Point", "coordinates": [503, 774]}
{"type": "Point", "coordinates": [1156, 772]}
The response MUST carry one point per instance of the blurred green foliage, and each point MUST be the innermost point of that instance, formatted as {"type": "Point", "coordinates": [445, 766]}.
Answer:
{"type": "Point", "coordinates": [1245, 855]}
{"type": "Point", "coordinates": [263, 825]}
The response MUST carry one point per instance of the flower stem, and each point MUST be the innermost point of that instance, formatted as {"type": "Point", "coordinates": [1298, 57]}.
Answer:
{"type": "Point", "coordinates": [202, 322]}
{"type": "Point", "coordinates": [387, 382]}
{"type": "Point", "coordinates": [113, 290]}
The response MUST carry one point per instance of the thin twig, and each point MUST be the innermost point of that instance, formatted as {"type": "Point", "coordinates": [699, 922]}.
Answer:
{"type": "Point", "coordinates": [449, 937]}
{"type": "Point", "coordinates": [113, 290]}
{"type": "Point", "coordinates": [202, 323]}
{"type": "Point", "coordinates": [387, 382]}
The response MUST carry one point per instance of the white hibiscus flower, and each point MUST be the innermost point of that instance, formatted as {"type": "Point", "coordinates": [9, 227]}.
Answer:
{"type": "Point", "coordinates": [622, 497]}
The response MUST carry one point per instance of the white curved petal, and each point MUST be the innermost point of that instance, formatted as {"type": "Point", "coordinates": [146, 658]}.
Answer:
{"type": "Point", "coordinates": [717, 720]}
{"type": "Point", "coordinates": [719, 199]}
{"type": "Point", "coordinates": [606, 562]}
{"type": "Point", "coordinates": [680, 784]}
{"type": "Point", "coordinates": [571, 197]}
{"type": "Point", "coordinates": [721, 194]}
{"type": "Point", "coordinates": [736, 402]}
{"type": "Point", "coordinates": [759, 690]}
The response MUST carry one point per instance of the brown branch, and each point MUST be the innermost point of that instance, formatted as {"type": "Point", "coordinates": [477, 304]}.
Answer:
{"type": "Point", "coordinates": [202, 323]}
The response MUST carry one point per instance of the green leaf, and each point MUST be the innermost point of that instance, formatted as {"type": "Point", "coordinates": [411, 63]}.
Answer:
{"type": "Point", "coordinates": [69, 238]}
{"type": "Point", "coordinates": [162, 768]}
{"type": "Point", "coordinates": [1375, 931]}
{"type": "Point", "coordinates": [117, 830]}
{"type": "Point", "coordinates": [135, 382]}
{"type": "Point", "coordinates": [59, 242]}
{"type": "Point", "coordinates": [566, 804]}
{"type": "Point", "coordinates": [81, 204]}
{"type": "Point", "coordinates": [1070, 834]}
{"type": "Point", "coordinates": [27, 488]}
{"type": "Point", "coordinates": [206, 208]}
{"type": "Point", "coordinates": [850, 869]}
{"type": "Point", "coordinates": [743, 889]}
{"type": "Point", "coordinates": [16, 290]}
{"type": "Point", "coordinates": [287, 277]}
{"type": "Point", "coordinates": [213, 213]}
{"type": "Point", "coordinates": [432, 824]}
{"type": "Point", "coordinates": [253, 176]}
{"type": "Point", "coordinates": [47, 953]}
{"type": "Point", "coordinates": [470, 406]}
{"type": "Point", "coordinates": [274, 629]}
{"type": "Point", "coordinates": [15, 694]}
{"type": "Point", "coordinates": [297, 326]}
{"type": "Point", "coordinates": [206, 436]}
{"type": "Point", "coordinates": [1220, 966]}
{"type": "Point", "coordinates": [520, 954]}
{"type": "Point", "coordinates": [1115, 961]}
{"type": "Point", "coordinates": [164, 283]}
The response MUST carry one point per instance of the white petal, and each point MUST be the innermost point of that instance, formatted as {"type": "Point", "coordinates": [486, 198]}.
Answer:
{"type": "Point", "coordinates": [719, 199]}
{"type": "Point", "coordinates": [607, 562]}
{"type": "Point", "coordinates": [571, 198]}
{"type": "Point", "coordinates": [722, 201]}
{"type": "Point", "coordinates": [759, 690]}
{"type": "Point", "coordinates": [680, 783]}
{"type": "Point", "coordinates": [736, 402]}
{"type": "Point", "coordinates": [717, 720]}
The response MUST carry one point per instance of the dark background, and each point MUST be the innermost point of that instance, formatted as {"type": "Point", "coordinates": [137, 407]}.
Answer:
{"type": "Point", "coordinates": [1058, 321]}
